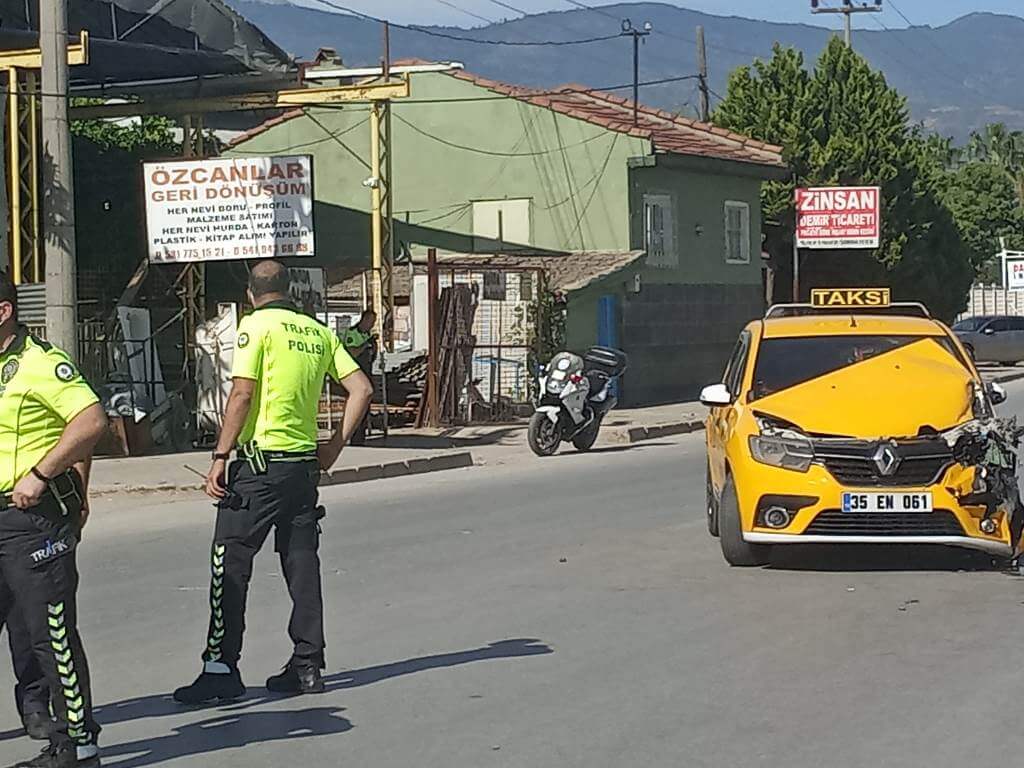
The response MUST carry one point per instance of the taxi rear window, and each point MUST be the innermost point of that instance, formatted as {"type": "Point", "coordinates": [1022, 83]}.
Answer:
{"type": "Point", "coordinates": [786, 362]}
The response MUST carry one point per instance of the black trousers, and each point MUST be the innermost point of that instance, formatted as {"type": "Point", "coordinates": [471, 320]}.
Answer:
{"type": "Point", "coordinates": [284, 498]}
{"type": "Point", "coordinates": [38, 566]}
{"type": "Point", "coordinates": [31, 694]}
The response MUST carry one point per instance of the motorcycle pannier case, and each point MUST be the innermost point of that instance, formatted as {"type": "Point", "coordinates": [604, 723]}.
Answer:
{"type": "Point", "coordinates": [611, 362]}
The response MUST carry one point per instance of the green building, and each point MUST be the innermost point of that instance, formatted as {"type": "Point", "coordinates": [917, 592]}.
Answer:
{"type": "Point", "coordinates": [484, 167]}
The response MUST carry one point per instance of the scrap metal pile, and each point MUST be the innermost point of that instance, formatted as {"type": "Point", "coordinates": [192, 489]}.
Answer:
{"type": "Point", "coordinates": [989, 445]}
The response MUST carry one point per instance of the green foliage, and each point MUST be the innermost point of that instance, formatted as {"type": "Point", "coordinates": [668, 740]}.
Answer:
{"type": "Point", "coordinates": [984, 203]}
{"type": "Point", "coordinates": [146, 137]}
{"type": "Point", "coordinates": [842, 124]}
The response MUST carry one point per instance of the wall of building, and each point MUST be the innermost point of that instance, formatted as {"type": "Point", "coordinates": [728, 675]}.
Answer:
{"type": "Point", "coordinates": [456, 143]}
{"type": "Point", "coordinates": [680, 328]}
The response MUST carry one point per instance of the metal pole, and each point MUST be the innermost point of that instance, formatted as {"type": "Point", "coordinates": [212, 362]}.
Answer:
{"type": "Point", "coordinates": [14, 170]}
{"type": "Point", "coordinates": [702, 69]}
{"type": "Point", "coordinates": [848, 27]}
{"type": "Point", "coordinates": [796, 270]}
{"type": "Point", "coordinates": [636, 78]}
{"type": "Point", "coordinates": [59, 218]}
{"type": "Point", "coordinates": [433, 400]}
{"type": "Point", "coordinates": [376, 217]}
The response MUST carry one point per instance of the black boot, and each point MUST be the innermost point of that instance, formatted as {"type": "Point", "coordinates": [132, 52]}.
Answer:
{"type": "Point", "coordinates": [37, 725]}
{"type": "Point", "coordinates": [297, 678]}
{"type": "Point", "coordinates": [212, 687]}
{"type": "Point", "coordinates": [64, 756]}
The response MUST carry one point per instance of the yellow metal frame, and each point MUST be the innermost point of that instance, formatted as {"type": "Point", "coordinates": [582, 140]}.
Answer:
{"type": "Point", "coordinates": [22, 145]}
{"type": "Point", "coordinates": [301, 97]}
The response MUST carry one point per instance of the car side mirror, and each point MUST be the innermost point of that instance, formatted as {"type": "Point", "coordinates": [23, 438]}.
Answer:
{"type": "Point", "coordinates": [716, 396]}
{"type": "Point", "coordinates": [997, 394]}
{"type": "Point", "coordinates": [989, 331]}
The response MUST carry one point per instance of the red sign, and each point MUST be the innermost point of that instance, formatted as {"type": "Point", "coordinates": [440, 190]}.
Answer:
{"type": "Point", "coordinates": [838, 217]}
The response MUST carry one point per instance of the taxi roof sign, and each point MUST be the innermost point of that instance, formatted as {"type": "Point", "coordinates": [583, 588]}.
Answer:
{"type": "Point", "coordinates": [850, 298]}
{"type": "Point", "coordinates": [859, 301]}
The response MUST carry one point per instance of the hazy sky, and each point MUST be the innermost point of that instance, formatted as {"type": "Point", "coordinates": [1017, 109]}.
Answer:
{"type": "Point", "coordinates": [472, 12]}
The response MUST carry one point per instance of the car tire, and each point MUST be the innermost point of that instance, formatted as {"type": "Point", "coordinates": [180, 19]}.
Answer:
{"type": "Point", "coordinates": [1008, 364]}
{"type": "Point", "coordinates": [737, 552]}
{"type": "Point", "coordinates": [711, 505]}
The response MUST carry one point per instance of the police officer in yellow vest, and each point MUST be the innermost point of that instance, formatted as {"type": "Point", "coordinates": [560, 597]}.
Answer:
{"type": "Point", "coordinates": [360, 343]}
{"type": "Point", "coordinates": [50, 421]}
{"type": "Point", "coordinates": [281, 360]}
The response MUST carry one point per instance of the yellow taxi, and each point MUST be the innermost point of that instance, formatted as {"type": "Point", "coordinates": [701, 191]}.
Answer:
{"type": "Point", "coordinates": [831, 425]}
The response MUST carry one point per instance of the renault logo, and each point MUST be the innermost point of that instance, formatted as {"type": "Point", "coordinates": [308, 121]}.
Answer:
{"type": "Point", "coordinates": [886, 460]}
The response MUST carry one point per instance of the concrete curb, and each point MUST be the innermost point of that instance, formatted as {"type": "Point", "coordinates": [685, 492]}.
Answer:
{"type": "Point", "coordinates": [361, 474]}
{"type": "Point", "coordinates": [1007, 378]}
{"type": "Point", "coordinates": [655, 431]}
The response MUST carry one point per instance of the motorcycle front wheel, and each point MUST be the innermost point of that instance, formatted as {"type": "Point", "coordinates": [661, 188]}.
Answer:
{"type": "Point", "coordinates": [584, 441]}
{"type": "Point", "coordinates": [544, 435]}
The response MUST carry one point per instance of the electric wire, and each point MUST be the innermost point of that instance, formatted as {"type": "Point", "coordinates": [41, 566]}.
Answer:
{"type": "Point", "coordinates": [487, 152]}
{"type": "Point", "coordinates": [461, 38]}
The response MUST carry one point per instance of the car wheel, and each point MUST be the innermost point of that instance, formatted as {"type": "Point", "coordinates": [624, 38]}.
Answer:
{"type": "Point", "coordinates": [1008, 364]}
{"type": "Point", "coordinates": [737, 552]}
{"type": "Point", "coordinates": [711, 505]}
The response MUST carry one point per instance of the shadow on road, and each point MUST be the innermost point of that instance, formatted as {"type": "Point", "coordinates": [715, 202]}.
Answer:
{"type": "Point", "coordinates": [451, 438]}
{"type": "Point", "coordinates": [228, 731]}
{"type": "Point", "coordinates": [884, 557]}
{"type": "Point", "coordinates": [161, 705]}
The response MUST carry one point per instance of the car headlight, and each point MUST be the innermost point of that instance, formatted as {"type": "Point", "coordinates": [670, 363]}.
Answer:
{"type": "Point", "coordinates": [785, 452]}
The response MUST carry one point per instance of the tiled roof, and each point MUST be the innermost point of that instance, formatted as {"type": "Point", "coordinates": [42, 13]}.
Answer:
{"type": "Point", "coordinates": [565, 272]}
{"type": "Point", "coordinates": [667, 132]}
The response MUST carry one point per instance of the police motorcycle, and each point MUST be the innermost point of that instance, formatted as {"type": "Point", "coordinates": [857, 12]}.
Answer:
{"type": "Point", "coordinates": [574, 395]}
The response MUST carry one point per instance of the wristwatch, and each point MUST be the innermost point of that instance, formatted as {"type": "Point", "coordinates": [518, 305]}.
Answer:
{"type": "Point", "coordinates": [221, 456]}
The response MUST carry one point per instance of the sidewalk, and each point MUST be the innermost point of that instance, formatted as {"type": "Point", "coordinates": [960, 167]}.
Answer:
{"type": "Point", "coordinates": [406, 452]}
{"type": "Point", "coordinates": [168, 472]}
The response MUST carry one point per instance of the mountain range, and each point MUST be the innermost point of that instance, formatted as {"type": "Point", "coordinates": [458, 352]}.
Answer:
{"type": "Point", "coordinates": [957, 77]}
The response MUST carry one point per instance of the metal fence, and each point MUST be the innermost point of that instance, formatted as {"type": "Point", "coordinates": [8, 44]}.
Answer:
{"type": "Point", "coordinates": [993, 300]}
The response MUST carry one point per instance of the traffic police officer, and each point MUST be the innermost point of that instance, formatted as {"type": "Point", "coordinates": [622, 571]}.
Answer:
{"type": "Point", "coordinates": [31, 694]}
{"type": "Point", "coordinates": [281, 359]}
{"type": "Point", "coordinates": [359, 342]}
{"type": "Point", "coordinates": [50, 421]}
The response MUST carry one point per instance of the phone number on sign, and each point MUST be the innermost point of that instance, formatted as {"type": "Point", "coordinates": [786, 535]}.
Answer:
{"type": "Point", "coordinates": [236, 252]}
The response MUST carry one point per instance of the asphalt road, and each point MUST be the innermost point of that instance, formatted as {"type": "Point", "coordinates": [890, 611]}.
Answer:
{"type": "Point", "coordinates": [562, 612]}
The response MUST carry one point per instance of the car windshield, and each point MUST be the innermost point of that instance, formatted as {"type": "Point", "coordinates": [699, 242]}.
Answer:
{"type": "Point", "coordinates": [970, 324]}
{"type": "Point", "coordinates": [784, 363]}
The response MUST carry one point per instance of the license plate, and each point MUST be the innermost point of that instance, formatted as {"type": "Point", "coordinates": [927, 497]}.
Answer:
{"type": "Point", "coordinates": [887, 502]}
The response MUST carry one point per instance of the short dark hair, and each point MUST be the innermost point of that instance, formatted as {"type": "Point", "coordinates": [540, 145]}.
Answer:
{"type": "Point", "coordinates": [269, 277]}
{"type": "Point", "coordinates": [8, 293]}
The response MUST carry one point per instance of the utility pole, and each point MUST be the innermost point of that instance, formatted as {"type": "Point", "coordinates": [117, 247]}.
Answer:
{"type": "Point", "coordinates": [59, 202]}
{"type": "Point", "coordinates": [848, 8]}
{"type": "Point", "coordinates": [702, 69]}
{"type": "Point", "coordinates": [637, 34]}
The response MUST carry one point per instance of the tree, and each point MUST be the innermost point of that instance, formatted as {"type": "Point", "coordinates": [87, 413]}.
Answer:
{"type": "Point", "coordinates": [983, 202]}
{"type": "Point", "coordinates": [842, 124]}
{"type": "Point", "coordinates": [1001, 149]}
{"type": "Point", "coordinates": [146, 137]}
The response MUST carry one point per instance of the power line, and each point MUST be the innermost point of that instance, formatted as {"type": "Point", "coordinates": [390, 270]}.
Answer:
{"type": "Point", "coordinates": [663, 33]}
{"type": "Point", "coordinates": [491, 153]}
{"type": "Point", "coordinates": [446, 36]}
{"type": "Point", "coordinates": [901, 14]}
{"type": "Point", "coordinates": [525, 95]}
{"type": "Point", "coordinates": [467, 12]}
{"type": "Point", "coordinates": [509, 7]}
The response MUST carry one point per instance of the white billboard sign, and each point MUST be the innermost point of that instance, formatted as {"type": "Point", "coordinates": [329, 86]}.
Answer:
{"type": "Point", "coordinates": [1013, 268]}
{"type": "Point", "coordinates": [229, 208]}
